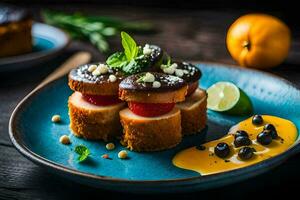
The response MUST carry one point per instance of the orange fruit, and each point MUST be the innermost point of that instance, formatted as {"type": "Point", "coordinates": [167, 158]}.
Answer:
{"type": "Point", "coordinates": [258, 41]}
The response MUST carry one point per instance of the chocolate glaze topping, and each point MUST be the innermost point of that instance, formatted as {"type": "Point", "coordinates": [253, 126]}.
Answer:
{"type": "Point", "coordinates": [82, 74]}
{"type": "Point", "coordinates": [9, 14]}
{"type": "Point", "coordinates": [156, 54]}
{"type": "Point", "coordinates": [168, 83]}
{"type": "Point", "coordinates": [191, 72]}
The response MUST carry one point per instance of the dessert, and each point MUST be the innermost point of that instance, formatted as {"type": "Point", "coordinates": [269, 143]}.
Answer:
{"type": "Point", "coordinates": [193, 109]}
{"type": "Point", "coordinates": [152, 122]}
{"type": "Point", "coordinates": [137, 76]}
{"type": "Point", "coordinates": [94, 106]}
{"type": "Point", "coordinates": [15, 31]}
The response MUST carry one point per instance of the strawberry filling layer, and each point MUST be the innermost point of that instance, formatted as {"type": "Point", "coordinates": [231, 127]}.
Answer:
{"type": "Point", "coordinates": [192, 88]}
{"type": "Point", "coordinates": [150, 109]}
{"type": "Point", "coordinates": [101, 100]}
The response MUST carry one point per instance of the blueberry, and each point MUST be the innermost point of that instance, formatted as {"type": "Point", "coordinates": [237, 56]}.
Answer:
{"type": "Point", "coordinates": [271, 128]}
{"type": "Point", "coordinates": [264, 138]}
{"type": "Point", "coordinates": [257, 120]}
{"type": "Point", "coordinates": [246, 153]}
{"type": "Point", "coordinates": [222, 150]}
{"type": "Point", "coordinates": [241, 133]}
{"type": "Point", "coordinates": [241, 141]}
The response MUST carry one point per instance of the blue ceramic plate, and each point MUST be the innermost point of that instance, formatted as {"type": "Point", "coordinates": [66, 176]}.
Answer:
{"type": "Point", "coordinates": [48, 41]}
{"type": "Point", "coordinates": [36, 137]}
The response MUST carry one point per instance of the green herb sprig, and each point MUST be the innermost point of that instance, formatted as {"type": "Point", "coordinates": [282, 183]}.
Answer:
{"type": "Point", "coordinates": [96, 29]}
{"type": "Point", "coordinates": [131, 60]}
{"type": "Point", "coordinates": [166, 62]}
{"type": "Point", "coordinates": [83, 152]}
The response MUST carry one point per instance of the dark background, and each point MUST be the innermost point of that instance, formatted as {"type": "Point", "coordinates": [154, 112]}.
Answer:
{"type": "Point", "coordinates": [188, 31]}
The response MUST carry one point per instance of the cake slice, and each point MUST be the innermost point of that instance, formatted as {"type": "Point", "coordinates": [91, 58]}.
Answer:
{"type": "Point", "coordinates": [15, 31]}
{"type": "Point", "coordinates": [151, 133]}
{"type": "Point", "coordinates": [151, 122]}
{"type": "Point", "coordinates": [92, 121]}
{"type": "Point", "coordinates": [193, 112]}
{"type": "Point", "coordinates": [94, 107]}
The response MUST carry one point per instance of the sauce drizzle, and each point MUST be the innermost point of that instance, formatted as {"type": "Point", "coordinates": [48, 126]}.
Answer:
{"type": "Point", "coordinates": [203, 160]}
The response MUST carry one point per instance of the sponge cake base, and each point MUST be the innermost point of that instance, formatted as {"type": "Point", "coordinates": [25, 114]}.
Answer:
{"type": "Point", "coordinates": [193, 112]}
{"type": "Point", "coordinates": [94, 122]}
{"type": "Point", "coordinates": [151, 133]}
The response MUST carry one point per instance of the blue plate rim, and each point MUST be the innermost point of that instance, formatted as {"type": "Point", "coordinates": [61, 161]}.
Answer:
{"type": "Point", "coordinates": [270, 163]}
{"type": "Point", "coordinates": [37, 55]}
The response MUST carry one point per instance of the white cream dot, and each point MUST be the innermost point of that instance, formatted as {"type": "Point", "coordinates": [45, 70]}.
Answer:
{"type": "Point", "coordinates": [103, 69]}
{"type": "Point", "coordinates": [112, 78]}
{"type": "Point", "coordinates": [179, 72]}
{"type": "Point", "coordinates": [156, 84]}
{"type": "Point", "coordinates": [149, 78]}
{"type": "Point", "coordinates": [92, 68]}
{"type": "Point", "coordinates": [96, 72]}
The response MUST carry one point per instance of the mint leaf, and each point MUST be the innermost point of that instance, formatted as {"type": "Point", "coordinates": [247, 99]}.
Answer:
{"type": "Point", "coordinates": [129, 45]}
{"type": "Point", "coordinates": [135, 66]}
{"type": "Point", "coordinates": [83, 156]}
{"type": "Point", "coordinates": [132, 60]}
{"type": "Point", "coordinates": [168, 60]}
{"type": "Point", "coordinates": [80, 149]}
{"type": "Point", "coordinates": [117, 60]}
{"type": "Point", "coordinates": [83, 152]}
{"type": "Point", "coordinates": [131, 67]}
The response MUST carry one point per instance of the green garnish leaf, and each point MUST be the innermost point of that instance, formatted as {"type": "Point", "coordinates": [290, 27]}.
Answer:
{"type": "Point", "coordinates": [168, 60]}
{"type": "Point", "coordinates": [132, 60]}
{"type": "Point", "coordinates": [117, 60]}
{"type": "Point", "coordinates": [83, 152]}
{"type": "Point", "coordinates": [131, 68]}
{"type": "Point", "coordinates": [129, 45]}
{"type": "Point", "coordinates": [141, 79]}
{"type": "Point", "coordinates": [134, 66]}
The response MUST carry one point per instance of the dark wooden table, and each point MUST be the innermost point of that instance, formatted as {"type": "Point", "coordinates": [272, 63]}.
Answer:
{"type": "Point", "coordinates": [190, 35]}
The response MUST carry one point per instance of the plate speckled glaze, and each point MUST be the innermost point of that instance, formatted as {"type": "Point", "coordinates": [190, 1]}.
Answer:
{"type": "Point", "coordinates": [48, 41]}
{"type": "Point", "coordinates": [37, 138]}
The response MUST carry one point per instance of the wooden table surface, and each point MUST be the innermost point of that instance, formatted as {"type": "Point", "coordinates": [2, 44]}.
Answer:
{"type": "Point", "coordinates": [190, 35]}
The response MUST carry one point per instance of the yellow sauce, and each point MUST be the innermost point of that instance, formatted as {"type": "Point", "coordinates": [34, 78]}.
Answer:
{"type": "Point", "coordinates": [205, 162]}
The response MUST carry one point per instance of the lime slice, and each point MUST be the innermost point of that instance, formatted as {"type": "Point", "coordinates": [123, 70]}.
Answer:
{"type": "Point", "coordinates": [227, 97]}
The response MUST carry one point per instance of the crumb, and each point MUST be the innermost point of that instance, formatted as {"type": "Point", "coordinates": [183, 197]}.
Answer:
{"type": "Point", "coordinates": [110, 146]}
{"type": "Point", "coordinates": [56, 118]}
{"type": "Point", "coordinates": [106, 156]}
{"type": "Point", "coordinates": [123, 154]}
{"type": "Point", "coordinates": [64, 139]}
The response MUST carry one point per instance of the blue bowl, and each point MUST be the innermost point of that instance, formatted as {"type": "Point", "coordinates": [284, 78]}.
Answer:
{"type": "Point", "coordinates": [48, 42]}
{"type": "Point", "coordinates": [37, 138]}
